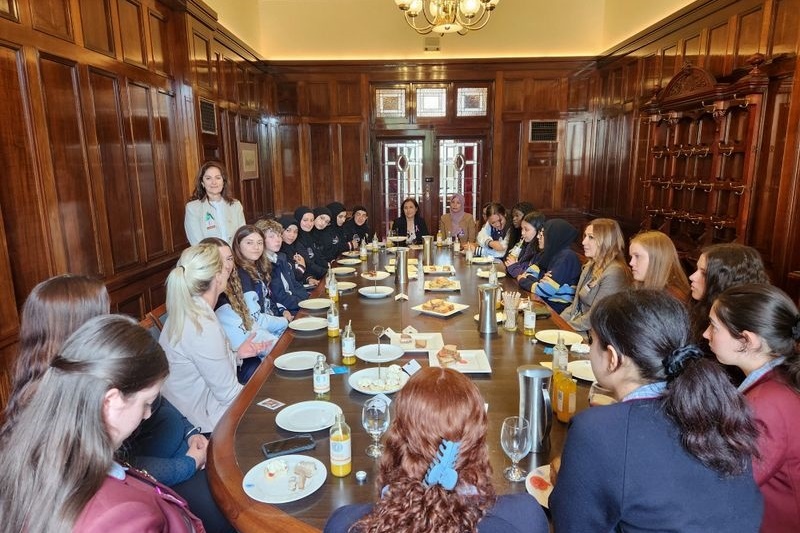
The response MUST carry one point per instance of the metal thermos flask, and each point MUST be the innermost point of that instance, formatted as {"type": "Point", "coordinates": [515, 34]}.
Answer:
{"type": "Point", "coordinates": [487, 310]}
{"type": "Point", "coordinates": [401, 265]}
{"type": "Point", "coordinates": [427, 250]}
{"type": "Point", "coordinates": [534, 403]}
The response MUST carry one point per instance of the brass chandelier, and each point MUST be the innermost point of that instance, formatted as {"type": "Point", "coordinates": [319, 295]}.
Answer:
{"type": "Point", "coordinates": [447, 16]}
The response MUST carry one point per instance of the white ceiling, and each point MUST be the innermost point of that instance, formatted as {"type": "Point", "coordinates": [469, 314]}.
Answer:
{"type": "Point", "coordinates": [375, 29]}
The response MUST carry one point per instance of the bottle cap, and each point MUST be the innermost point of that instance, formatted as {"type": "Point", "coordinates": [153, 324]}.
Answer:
{"type": "Point", "coordinates": [361, 476]}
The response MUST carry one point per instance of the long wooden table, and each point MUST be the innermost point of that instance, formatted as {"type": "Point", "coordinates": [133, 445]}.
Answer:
{"type": "Point", "coordinates": [236, 442]}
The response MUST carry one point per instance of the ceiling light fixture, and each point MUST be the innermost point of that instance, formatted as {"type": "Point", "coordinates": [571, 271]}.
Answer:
{"type": "Point", "coordinates": [447, 16]}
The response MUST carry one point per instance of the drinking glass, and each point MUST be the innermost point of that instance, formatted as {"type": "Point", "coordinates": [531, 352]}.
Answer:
{"type": "Point", "coordinates": [515, 439]}
{"type": "Point", "coordinates": [375, 419]}
{"type": "Point", "coordinates": [599, 395]}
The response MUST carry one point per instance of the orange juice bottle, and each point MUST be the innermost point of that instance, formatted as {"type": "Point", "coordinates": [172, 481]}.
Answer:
{"type": "Point", "coordinates": [341, 451]}
{"type": "Point", "coordinates": [566, 392]}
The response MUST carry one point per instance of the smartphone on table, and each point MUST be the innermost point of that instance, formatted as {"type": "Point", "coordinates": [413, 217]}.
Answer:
{"type": "Point", "coordinates": [295, 444]}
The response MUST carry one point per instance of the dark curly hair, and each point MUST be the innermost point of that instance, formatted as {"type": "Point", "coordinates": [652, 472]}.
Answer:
{"type": "Point", "coordinates": [727, 265]}
{"type": "Point", "coordinates": [435, 404]}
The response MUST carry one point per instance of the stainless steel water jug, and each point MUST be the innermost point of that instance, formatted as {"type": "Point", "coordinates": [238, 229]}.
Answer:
{"type": "Point", "coordinates": [534, 403]}
{"type": "Point", "coordinates": [487, 310]}
{"type": "Point", "coordinates": [427, 250]}
{"type": "Point", "coordinates": [401, 265]}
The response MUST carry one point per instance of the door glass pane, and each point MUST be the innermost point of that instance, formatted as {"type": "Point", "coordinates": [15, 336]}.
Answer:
{"type": "Point", "coordinates": [459, 171]}
{"type": "Point", "coordinates": [401, 173]}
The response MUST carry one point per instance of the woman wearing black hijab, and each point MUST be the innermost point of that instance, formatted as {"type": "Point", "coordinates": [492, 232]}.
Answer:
{"type": "Point", "coordinates": [357, 227]}
{"type": "Point", "coordinates": [316, 265]}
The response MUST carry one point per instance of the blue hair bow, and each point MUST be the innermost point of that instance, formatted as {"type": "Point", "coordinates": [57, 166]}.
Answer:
{"type": "Point", "coordinates": [442, 471]}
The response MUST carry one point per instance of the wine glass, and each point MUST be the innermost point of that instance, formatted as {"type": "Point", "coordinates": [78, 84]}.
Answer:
{"type": "Point", "coordinates": [375, 419]}
{"type": "Point", "coordinates": [516, 441]}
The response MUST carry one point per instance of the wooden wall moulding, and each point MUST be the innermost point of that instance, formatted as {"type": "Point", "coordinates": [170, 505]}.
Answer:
{"type": "Point", "coordinates": [702, 144]}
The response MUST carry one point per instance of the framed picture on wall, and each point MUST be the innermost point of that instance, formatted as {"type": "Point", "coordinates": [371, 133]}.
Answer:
{"type": "Point", "coordinates": [248, 161]}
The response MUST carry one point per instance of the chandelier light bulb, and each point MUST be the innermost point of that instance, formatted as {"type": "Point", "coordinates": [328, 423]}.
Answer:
{"type": "Point", "coordinates": [470, 7]}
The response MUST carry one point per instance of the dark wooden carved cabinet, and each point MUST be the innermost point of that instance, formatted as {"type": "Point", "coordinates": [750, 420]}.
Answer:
{"type": "Point", "coordinates": [703, 144]}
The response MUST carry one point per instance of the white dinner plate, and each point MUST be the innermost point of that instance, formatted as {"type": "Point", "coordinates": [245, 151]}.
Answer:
{"type": "Point", "coordinates": [375, 291]}
{"type": "Point", "coordinates": [377, 275]}
{"type": "Point", "coordinates": [308, 323]}
{"type": "Point", "coordinates": [501, 317]}
{"type": "Point", "coordinates": [541, 495]}
{"type": "Point", "coordinates": [295, 361]}
{"type": "Point", "coordinates": [349, 261]}
{"type": "Point", "coordinates": [345, 285]}
{"type": "Point", "coordinates": [284, 486]}
{"type": "Point", "coordinates": [457, 307]}
{"type": "Point", "coordinates": [452, 285]}
{"type": "Point", "coordinates": [341, 271]}
{"type": "Point", "coordinates": [397, 238]}
{"type": "Point", "coordinates": [391, 269]}
{"type": "Point", "coordinates": [369, 353]}
{"type": "Point", "coordinates": [550, 336]}
{"type": "Point", "coordinates": [475, 362]}
{"type": "Point", "coordinates": [581, 369]}
{"type": "Point", "coordinates": [445, 270]}
{"type": "Point", "coordinates": [415, 247]}
{"type": "Point", "coordinates": [433, 341]}
{"type": "Point", "coordinates": [377, 384]}
{"type": "Point", "coordinates": [482, 260]}
{"type": "Point", "coordinates": [315, 304]}
{"type": "Point", "coordinates": [305, 417]}
{"type": "Point", "coordinates": [410, 261]}
{"type": "Point", "coordinates": [484, 273]}
{"type": "Point", "coordinates": [352, 253]}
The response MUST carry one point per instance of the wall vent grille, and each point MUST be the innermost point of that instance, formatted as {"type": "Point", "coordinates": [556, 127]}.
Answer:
{"type": "Point", "coordinates": [544, 130]}
{"type": "Point", "coordinates": [208, 117]}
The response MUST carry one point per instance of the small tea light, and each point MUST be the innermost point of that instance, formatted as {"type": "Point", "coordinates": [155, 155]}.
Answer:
{"type": "Point", "coordinates": [361, 476]}
{"type": "Point", "coordinates": [344, 306]}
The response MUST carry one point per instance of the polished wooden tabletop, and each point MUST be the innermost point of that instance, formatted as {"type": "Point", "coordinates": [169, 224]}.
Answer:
{"type": "Point", "coordinates": [236, 442]}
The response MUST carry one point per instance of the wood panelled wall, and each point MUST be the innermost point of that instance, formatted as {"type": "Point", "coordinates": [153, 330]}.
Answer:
{"type": "Point", "coordinates": [100, 142]}
{"type": "Point", "coordinates": [718, 36]}
{"type": "Point", "coordinates": [325, 131]}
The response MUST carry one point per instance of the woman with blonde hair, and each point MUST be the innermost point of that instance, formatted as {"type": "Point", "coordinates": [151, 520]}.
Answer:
{"type": "Point", "coordinates": [655, 265]}
{"type": "Point", "coordinates": [202, 381]}
{"type": "Point", "coordinates": [57, 468]}
{"type": "Point", "coordinates": [605, 273]}
{"type": "Point", "coordinates": [434, 473]}
{"type": "Point", "coordinates": [212, 212]}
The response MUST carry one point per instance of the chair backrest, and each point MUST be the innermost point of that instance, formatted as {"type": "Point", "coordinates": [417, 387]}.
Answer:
{"type": "Point", "coordinates": [159, 315]}
{"type": "Point", "coordinates": [150, 325]}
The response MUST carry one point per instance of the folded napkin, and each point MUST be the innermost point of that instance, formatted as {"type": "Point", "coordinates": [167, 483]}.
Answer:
{"type": "Point", "coordinates": [579, 347]}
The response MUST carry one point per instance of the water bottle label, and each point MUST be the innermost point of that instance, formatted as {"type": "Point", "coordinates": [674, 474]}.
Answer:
{"type": "Point", "coordinates": [529, 319]}
{"type": "Point", "coordinates": [348, 346]}
{"type": "Point", "coordinates": [322, 383]}
{"type": "Point", "coordinates": [341, 452]}
{"type": "Point", "coordinates": [333, 322]}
